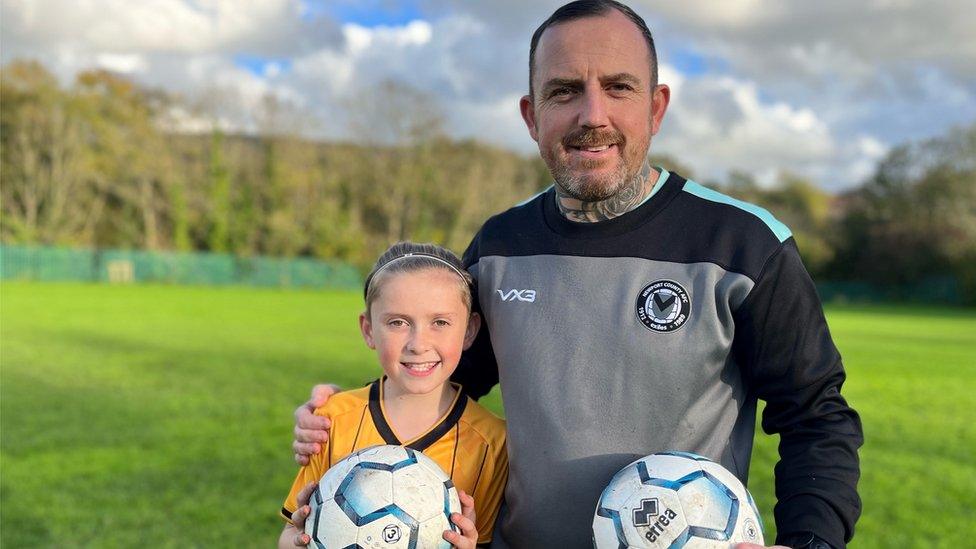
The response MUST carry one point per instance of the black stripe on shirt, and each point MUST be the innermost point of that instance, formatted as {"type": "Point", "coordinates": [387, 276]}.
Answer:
{"type": "Point", "coordinates": [457, 438]}
{"type": "Point", "coordinates": [443, 427]}
{"type": "Point", "coordinates": [481, 469]}
{"type": "Point", "coordinates": [379, 420]}
{"type": "Point", "coordinates": [356, 438]}
{"type": "Point", "coordinates": [422, 443]}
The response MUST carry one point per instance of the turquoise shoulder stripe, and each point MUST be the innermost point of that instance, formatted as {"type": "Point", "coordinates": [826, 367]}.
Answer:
{"type": "Point", "coordinates": [533, 197]}
{"type": "Point", "coordinates": [781, 231]}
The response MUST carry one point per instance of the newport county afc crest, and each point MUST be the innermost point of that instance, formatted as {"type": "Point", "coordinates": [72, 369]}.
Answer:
{"type": "Point", "coordinates": [663, 306]}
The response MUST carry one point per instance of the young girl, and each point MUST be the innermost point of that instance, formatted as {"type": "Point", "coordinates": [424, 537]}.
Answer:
{"type": "Point", "coordinates": [418, 319]}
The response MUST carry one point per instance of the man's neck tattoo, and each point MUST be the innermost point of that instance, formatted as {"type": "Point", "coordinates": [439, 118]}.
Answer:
{"type": "Point", "coordinates": [627, 198]}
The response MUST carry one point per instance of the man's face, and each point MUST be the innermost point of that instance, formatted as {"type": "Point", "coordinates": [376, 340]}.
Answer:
{"type": "Point", "coordinates": [594, 110]}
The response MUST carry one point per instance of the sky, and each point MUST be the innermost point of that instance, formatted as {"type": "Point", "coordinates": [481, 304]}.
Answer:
{"type": "Point", "coordinates": [819, 89]}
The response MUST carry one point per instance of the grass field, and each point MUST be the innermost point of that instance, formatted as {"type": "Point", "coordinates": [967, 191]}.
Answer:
{"type": "Point", "coordinates": [161, 416]}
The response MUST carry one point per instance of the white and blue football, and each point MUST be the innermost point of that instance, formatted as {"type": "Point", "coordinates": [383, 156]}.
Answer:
{"type": "Point", "coordinates": [674, 500]}
{"type": "Point", "coordinates": [383, 496]}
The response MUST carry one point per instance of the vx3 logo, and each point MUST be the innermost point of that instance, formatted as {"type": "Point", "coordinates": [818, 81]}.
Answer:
{"type": "Point", "coordinates": [517, 295]}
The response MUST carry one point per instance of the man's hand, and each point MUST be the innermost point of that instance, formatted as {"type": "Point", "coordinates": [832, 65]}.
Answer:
{"type": "Point", "coordinates": [468, 538]}
{"type": "Point", "coordinates": [312, 430]}
{"type": "Point", "coordinates": [755, 546]}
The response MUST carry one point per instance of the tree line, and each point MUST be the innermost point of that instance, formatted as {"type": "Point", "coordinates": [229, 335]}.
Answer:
{"type": "Point", "coordinates": [100, 163]}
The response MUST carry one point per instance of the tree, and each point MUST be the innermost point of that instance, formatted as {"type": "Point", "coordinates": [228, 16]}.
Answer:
{"type": "Point", "coordinates": [399, 125]}
{"type": "Point", "coordinates": [129, 156]}
{"type": "Point", "coordinates": [801, 206]}
{"type": "Point", "coordinates": [219, 177]}
{"type": "Point", "coordinates": [102, 163]}
{"type": "Point", "coordinates": [50, 188]}
{"type": "Point", "coordinates": [916, 217]}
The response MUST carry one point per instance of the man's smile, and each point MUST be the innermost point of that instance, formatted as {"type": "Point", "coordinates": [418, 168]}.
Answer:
{"type": "Point", "coordinates": [593, 152]}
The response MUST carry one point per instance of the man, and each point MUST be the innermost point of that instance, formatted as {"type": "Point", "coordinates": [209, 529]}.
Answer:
{"type": "Point", "coordinates": [631, 311]}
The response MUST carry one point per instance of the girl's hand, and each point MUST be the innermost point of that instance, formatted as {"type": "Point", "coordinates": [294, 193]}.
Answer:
{"type": "Point", "coordinates": [295, 532]}
{"type": "Point", "coordinates": [468, 538]}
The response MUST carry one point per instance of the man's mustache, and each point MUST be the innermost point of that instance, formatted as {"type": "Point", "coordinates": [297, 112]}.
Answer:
{"type": "Point", "coordinates": [583, 138]}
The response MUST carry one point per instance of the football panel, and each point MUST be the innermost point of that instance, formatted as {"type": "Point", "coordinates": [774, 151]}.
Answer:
{"type": "Point", "coordinates": [608, 529]}
{"type": "Point", "coordinates": [419, 492]}
{"type": "Point", "coordinates": [453, 502]}
{"type": "Point", "coordinates": [364, 491]}
{"type": "Point", "coordinates": [748, 530]}
{"type": "Point", "coordinates": [329, 527]}
{"type": "Point", "coordinates": [652, 517]}
{"type": "Point", "coordinates": [710, 508]}
{"type": "Point", "coordinates": [389, 532]}
{"type": "Point", "coordinates": [386, 455]}
{"type": "Point", "coordinates": [755, 510]}
{"type": "Point", "coordinates": [432, 532]}
{"type": "Point", "coordinates": [688, 455]}
{"type": "Point", "coordinates": [330, 481]}
{"type": "Point", "coordinates": [667, 466]}
{"type": "Point", "coordinates": [726, 477]}
{"type": "Point", "coordinates": [623, 485]}
{"type": "Point", "coordinates": [750, 523]}
{"type": "Point", "coordinates": [432, 466]}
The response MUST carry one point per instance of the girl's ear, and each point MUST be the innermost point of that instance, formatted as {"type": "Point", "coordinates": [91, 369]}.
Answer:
{"type": "Point", "coordinates": [366, 327]}
{"type": "Point", "coordinates": [474, 323]}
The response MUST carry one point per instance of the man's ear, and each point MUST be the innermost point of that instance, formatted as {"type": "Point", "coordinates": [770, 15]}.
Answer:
{"type": "Point", "coordinates": [659, 105]}
{"type": "Point", "coordinates": [366, 327]}
{"type": "Point", "coordinates": [527, 108]}
{"type": "Point", "coordinates": [474, 324]}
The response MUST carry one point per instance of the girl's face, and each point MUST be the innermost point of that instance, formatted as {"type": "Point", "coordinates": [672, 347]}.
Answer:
{"type": "Point", "coordinates": [418, 326]}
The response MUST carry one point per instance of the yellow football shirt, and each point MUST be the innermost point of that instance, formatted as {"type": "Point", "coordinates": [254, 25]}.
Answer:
{"type": "Point", "coordinates": [468, 442]}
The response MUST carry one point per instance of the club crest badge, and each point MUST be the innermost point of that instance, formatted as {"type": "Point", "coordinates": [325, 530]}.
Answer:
{"type": "Point", "coordinates": [663, 306]}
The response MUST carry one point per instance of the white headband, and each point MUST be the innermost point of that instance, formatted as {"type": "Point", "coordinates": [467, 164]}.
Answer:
{"type": "Point", "coordinates": [406, 255]}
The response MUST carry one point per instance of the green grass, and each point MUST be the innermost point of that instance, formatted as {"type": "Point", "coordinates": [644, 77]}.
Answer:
{"type": "Point", "coordinates": [161, 416]}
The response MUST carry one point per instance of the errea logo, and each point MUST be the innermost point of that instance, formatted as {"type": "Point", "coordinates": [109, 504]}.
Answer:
{"type": "Point", "coordinates": [517, 295]}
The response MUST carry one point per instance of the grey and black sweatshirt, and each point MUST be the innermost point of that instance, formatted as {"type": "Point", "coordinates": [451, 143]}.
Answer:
{"type": "Point", "coordinates": [657, 330]}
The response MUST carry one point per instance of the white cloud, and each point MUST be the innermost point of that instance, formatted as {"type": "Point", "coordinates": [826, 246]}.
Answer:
{"type": "Point", "coordinates": [125, 63]}
{"type": "Point", "coordinates": [721, 124]}
{"type": "Point", "coordinates": [886, 32]}
{"type": "Point", "coordinates": [273, 27]}
{"type": "Point", "coordinates": [497, 122]}
{"type": "Point", "coordinates": [821, 89]}
{"type": "Point", "coordinates": [893, 70]}
{"type": "Point", "coordinates": [866, 151]}
{"type": "Point", "coordinates": [667, 74]}
{"type": "Point", "coordinates": [360, 39]}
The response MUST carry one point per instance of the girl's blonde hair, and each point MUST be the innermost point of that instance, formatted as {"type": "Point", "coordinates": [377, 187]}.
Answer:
{"type": "Point", "coordinates": [408, 257]}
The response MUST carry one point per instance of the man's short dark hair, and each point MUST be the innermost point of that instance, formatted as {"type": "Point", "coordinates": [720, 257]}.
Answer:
{"type": "Point", "coordinates": [591, 8]}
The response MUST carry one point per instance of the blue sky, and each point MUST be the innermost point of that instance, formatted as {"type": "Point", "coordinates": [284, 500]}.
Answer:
{"type": "Point", "coordinates": [368, 13]}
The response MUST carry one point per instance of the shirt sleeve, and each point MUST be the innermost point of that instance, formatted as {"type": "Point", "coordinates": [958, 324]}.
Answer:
{"type": "Point", "coordinates": [490, 489]}
{"type": "Point", "coordinates": [790, 361]}
{"type": "Point", "coordinates": [317, 466]}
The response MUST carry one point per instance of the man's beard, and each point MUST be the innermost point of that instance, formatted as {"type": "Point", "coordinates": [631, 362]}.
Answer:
{"type": "Point", "coordinates": [582, 185]}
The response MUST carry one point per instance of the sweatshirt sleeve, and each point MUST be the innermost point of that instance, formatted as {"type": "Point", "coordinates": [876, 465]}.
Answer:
{"type": "Point", "coordinates": [790, 362]}
{"type": "Point", "coordinates": [477, 372]}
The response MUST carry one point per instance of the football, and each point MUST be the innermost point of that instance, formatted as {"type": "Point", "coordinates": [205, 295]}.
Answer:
{"type": "Point", "coordinates": [675, 499]}
{"type": "Point", "coordinates": [383, 496]}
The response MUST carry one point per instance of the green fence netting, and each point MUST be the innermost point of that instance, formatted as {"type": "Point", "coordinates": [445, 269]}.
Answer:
{"type": "Point", "coordinates": [44, 263]}
{"type": "Point", "coordinates": [66, 264]}
{"type": "Point", "coordinates": [933, 290]}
